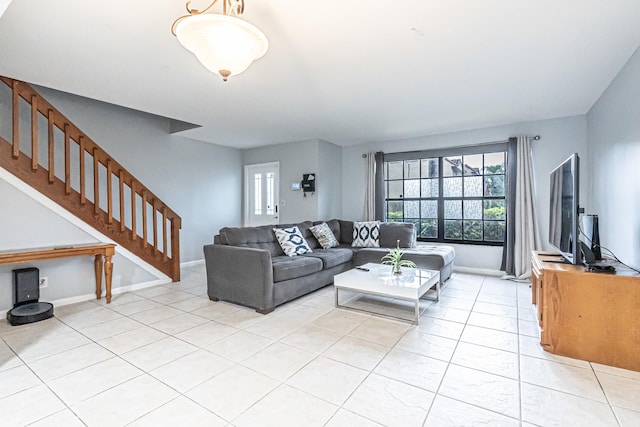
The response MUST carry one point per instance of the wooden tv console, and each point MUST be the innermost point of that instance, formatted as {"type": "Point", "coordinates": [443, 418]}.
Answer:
{"type": "Point", "coordinates": [588, 316]}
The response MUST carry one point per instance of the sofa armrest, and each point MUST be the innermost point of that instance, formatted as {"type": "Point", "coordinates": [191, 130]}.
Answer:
{"type": "Point", "coordinates": [240, 275]}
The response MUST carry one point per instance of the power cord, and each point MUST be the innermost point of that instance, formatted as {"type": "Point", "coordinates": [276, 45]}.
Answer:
{"type": "Point", "coordinates": [611, 254]}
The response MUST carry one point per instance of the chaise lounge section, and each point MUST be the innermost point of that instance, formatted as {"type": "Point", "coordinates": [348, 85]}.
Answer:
{"type": "Point", "coordinates": [247, 266]}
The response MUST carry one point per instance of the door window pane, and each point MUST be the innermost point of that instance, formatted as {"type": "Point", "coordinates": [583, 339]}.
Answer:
{"type": "Point", "coordinates": [271, 203]}
{"type": "Point", "coordinates": [257, 191]}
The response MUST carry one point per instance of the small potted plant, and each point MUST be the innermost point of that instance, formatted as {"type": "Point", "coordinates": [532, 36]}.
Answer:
{"type": "Point", "coordinates": [394, 259]}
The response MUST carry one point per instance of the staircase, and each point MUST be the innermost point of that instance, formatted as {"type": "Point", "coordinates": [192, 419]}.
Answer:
{"type": "Point", "coordinates": [86, 181]}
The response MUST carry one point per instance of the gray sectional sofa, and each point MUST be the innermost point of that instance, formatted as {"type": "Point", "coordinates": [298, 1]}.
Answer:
{"type": "Point", "coordinates": [245, 265]}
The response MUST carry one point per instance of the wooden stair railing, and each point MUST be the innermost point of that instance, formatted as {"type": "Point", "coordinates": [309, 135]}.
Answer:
{"type": "Point", "coordinates": [140, 219]}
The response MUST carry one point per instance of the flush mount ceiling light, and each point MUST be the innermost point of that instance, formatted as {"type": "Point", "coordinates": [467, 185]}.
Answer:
{"type": "Point", "coordinates": [223, 43]}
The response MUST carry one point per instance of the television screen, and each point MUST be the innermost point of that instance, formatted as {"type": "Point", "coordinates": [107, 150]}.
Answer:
{"type": "Point", "coordinates": [563, 216]}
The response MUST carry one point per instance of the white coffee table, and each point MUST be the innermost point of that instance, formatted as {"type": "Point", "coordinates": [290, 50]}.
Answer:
{"type": "Point", "coordinates": [411, 285]}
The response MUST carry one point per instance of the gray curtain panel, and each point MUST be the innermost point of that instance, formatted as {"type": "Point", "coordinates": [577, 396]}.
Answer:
{"type": "Point", "coordinates": [374, 192]}
{"type": "Point", "coordinates": [379, 199]}
{"type": "Point", "coordinates": [508, 263]}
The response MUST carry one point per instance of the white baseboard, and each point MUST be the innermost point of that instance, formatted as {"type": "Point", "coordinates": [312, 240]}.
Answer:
{"type": "Point", "coordinates": [88, 297]}
{"type": "Point", "coordinates": [483, 271]}
{"type": "Point", "coordinates": [192, 263]}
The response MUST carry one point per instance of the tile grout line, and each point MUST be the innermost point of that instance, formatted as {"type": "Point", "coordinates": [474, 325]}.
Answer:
{"type": "Point", "coordinates": [519, 357]}
{"type": "Point", "coordinates": [315, 357]}
{"type": "Point", "coordinates": [604, 393]}
{"type": "Point", "coordinates": [145, 372]}
{"type": "Point", "coordinates": [437, 392]}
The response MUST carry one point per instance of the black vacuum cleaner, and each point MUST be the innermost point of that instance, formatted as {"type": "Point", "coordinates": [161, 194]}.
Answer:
{"type": "Point", "coordinates": [26, 293]}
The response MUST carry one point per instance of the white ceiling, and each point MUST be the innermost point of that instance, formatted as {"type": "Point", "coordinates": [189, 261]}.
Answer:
{"type": "Point", "coordinates": [344, 71]}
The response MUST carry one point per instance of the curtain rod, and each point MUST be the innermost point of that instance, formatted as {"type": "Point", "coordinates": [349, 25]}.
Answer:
{"type": "Point", "coordinates": [533, 138]}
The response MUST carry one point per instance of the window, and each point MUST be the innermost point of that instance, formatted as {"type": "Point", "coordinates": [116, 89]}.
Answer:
{"type": "Point", "coordinates": [453, 195]}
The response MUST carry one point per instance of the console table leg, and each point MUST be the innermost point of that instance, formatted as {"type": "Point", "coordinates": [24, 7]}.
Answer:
{"type": "Point", "coordinates": [98, 268]}
{"type": "Point", "coordinates": [108, 270]}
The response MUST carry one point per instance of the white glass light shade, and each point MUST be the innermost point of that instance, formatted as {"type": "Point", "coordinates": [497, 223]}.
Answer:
{"type": "Point", "coordinates": [223, 44]}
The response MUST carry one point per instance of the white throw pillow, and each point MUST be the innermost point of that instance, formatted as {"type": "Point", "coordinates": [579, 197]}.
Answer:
{"type": "Point", "coordinates": [366, 234]}
{"type": "Point", "coordinates": [325, 236]}
{"type": "Point", "coordinates": [291, 241]}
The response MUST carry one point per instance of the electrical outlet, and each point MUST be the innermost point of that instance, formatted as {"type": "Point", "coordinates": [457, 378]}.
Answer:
{"type": "Point", "coordinates": [44, 282]}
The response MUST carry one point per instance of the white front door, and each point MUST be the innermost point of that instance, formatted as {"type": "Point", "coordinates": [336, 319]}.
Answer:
{"type": "Point", "coordinates": [261, 185]}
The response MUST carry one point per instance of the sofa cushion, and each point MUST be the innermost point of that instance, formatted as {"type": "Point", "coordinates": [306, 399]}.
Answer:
{"type": "Point", "coordinates": [444, 252]}
{"type": "Point", "coordinates": [331, 257]}
{"type": "Point", "coordinates": [391, 232]}
{"type": "Point", "coordinates": [425, 256]}
{"type": "Point", "coordinates": [262, 237]}
{"type": "Point", "coordinates": [291, 241]}
{"type": "Point", "coordinates": [324, 235]}
{"type": "Point", "coordinates": [285, 268]}
{"type": "Point", "coordinates": [366, 234]}
{"type": "Point", "coordinates": [252, 237]}
{"type": "Point", "coordinates": [346, 232]}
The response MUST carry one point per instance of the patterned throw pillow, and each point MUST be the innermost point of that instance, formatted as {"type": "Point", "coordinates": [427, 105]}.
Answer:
{"type": "Point", "coordinates": [366, 234]}
{"type": "Point", "coordinates": [325, 236]}
{"type": "Point", "coordinates": [291, 241]}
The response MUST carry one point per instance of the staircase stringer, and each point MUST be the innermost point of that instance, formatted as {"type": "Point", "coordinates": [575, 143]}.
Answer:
{"type": "Point", "coordinates": [155, 240]}
{"type": "Point", "coordinates": [54, 207]}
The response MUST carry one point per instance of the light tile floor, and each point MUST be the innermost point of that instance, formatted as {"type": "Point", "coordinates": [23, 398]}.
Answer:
{"type": "Point", "coordinates": [168, 356]}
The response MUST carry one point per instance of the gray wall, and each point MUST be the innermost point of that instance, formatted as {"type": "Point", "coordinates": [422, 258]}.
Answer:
{"type": "Point", "coordinates": [560, 138]}
{"type": "Point", "coordinates": [614, 163]}
{"type": "Point", "coordinates": [329, 186]}
{"type": "Point", "coordinates": [295, 159]}
{"type": "Point", "coordinates": [25, 223]}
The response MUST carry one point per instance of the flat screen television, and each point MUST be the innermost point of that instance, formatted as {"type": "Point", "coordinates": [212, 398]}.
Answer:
{"type": "Point", "coordinates": [563, 212]}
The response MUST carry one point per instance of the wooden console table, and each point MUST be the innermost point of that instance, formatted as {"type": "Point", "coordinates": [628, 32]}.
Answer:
{"type": "Point", "coordinates": [106, 250]}
{"type": "Point", "coordinates": [588, 316]}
